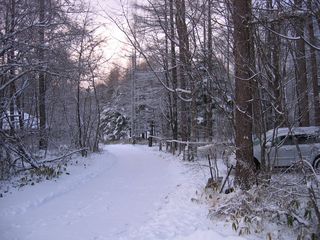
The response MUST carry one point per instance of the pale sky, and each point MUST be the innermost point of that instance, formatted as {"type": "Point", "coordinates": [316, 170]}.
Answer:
{"type": "Point", "coordinates": [115, 47]}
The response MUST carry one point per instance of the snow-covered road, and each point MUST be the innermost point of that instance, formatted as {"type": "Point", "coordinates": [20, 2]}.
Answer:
{"type": "Point", "coordinates": [126, 192]}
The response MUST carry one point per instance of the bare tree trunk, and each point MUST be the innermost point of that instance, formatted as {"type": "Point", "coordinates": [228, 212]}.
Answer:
{"type": "Point", "coordinates": [10, 28]}
{"type": "Point", "coordinates": [210, 71]}
{"type": "Point", "coordinates": [174, 74]}
{"type": "Point", "coordinates": [302, 83]}
{"type": "Point", "coordinates": [183, 66]}
{"type": "Point", "coordinates": [78, 96]}
{"type": "Point", "coordinates": [314, 70]}
{"type": "Point", "coordinates": [243, 93]}
{"type": "Point", "coordinates": [276, 64]}
{"type": "Point", "coordinates": [317, 14]}
{"type": "Point", "coordinates": [42, 79]}
{"type": "Point", "coordinates": [86, 123]}
{"type": "Point", "coordinates": [97, 130]}
{"type": "Point", "coordinates": [277, 86]}
{"type": "Point", "coordinates": [166, 68]}
{"type": "Point", "coordinates": [79, 125]}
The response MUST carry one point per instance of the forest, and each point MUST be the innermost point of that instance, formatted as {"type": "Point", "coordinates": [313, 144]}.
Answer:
{"type": "Point", "coordinates": [217, 73]}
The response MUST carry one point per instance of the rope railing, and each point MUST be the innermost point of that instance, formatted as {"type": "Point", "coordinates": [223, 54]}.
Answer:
{"type": "Point", "coordinates": [210, 150]}
{"type": "Point", "coordinates": [187, 148]}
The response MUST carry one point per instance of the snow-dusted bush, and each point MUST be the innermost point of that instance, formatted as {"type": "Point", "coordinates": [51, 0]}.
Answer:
{"type": "Point", "coordinates": [113, 125]}
{"type": "Point", "coordinates": [288, 201]}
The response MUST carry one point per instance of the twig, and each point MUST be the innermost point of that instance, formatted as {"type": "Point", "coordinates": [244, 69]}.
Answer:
{"type": "Point", "coordinates": [225, 180]}
{"type": "Point", "coordinates": [63, 156]}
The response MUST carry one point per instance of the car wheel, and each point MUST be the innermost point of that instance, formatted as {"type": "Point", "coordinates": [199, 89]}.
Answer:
{"type": "Point", "coordinates": [316, 165]}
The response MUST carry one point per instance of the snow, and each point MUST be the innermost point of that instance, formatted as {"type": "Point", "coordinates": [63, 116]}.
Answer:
{"type": "Point", "coordinates": [125, 192]}
{"type": "Point", "coordinates": [200, 120]}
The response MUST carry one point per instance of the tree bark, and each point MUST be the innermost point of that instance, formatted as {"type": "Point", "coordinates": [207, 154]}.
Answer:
{"type": "Point", "coordinates": [277, 86]}
{"type": "Point", "coordinates": [174, 74]}
{"type": "Point", "coordinates": [314, 69]}
{"type": "Point", "coordinates": [210, 79]}
{"type": "Point", "coordinates": [302, 83]}
{"type": "Point", "coordinates": [11, 24]}
{"type": "Point", "coordinates": [243, 93]}
{"type": "Point", "coordinates": [183, 66]}
{"type": "Point", "coordinates": [42, 78]}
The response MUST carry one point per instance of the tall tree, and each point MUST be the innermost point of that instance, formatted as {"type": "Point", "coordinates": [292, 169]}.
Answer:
{"type": "Point", "coordinates": [42, 77]}
{"type": "Point", "coordinates": [174, 73]}
{"type": "Point", "coordinates": [302, 82]}
{"type": "Point", "coordinates": [210, 73]}
{"type": "Point", "coordinates": [11, 22]}
{"type": "Point", "coordinates": [243, 92]}
{"type": "Point", "coordinates": [314, 67]}
{"type": "Point", "coordinates": [184, 62]}
{"type": "Point", "coordinates": [276, 66]}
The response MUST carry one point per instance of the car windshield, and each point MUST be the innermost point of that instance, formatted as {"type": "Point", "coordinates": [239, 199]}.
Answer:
{"type": "Point", "coordinates": [256, 141]}
{"type": "Point", "coordinates": [283, 136]}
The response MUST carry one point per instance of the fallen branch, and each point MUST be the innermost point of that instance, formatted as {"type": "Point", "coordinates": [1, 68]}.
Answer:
{"type": "Point", "coordinates": [65, 155]}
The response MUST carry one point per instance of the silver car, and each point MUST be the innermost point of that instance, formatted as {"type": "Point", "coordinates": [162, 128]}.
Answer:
{"type": "Point", "coordinates": [284, 146]}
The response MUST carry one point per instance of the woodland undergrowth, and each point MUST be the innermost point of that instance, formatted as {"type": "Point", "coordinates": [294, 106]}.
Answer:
{"type": "Point", "coordinates": [289, 201]}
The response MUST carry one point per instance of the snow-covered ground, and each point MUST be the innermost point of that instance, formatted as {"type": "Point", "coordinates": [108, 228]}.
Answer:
{"type": "Point", "coordinates": [125, 192]}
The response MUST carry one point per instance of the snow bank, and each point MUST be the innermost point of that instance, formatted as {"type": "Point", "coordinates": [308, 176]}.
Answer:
{"type": "Point", "coordinates": [208, 235]}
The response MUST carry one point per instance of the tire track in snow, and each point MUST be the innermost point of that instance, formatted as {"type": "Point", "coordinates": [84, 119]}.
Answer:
{"type": "Point", "coordinates": [103, 201]}
{"type": "Point", "coordinates": [177, 215]}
